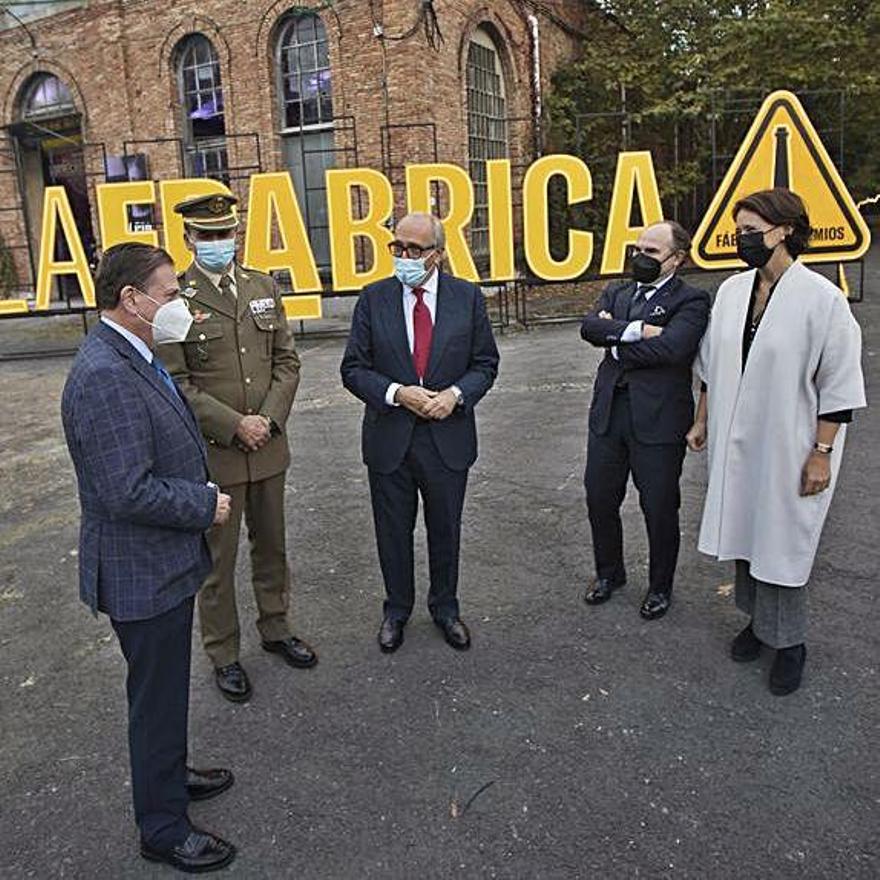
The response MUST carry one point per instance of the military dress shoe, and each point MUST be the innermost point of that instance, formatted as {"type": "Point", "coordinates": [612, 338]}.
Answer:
{"type": "Point", "coordinates": [204, 784]}
{"type": "Point", "coordinates": [600, 591]}
{"type": "Point", "coordinates": [455, 633]}
{"type": "Point", "coordinates": [233, 682]}
{"type": "Point", "coordinates": [390, 635]}
{"type": "Point", "coordinates": [746, 646]}
{"type": "Point", "coordinates": [655, 605]}
{"type": "Point", "coordinates": [295, 652]}
{"type": "Point", "coordinates": [199, 853]}
{"type": "Point", "coordinates": [787, 670]}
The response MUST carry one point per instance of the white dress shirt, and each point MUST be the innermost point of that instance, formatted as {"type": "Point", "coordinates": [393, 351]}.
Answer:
{"type": "Point", "coordinates": [633, 332]}
{"type": "Point", "coordinates": [409, 303]}
{"type": "Point", "coordinates": [141, 347]}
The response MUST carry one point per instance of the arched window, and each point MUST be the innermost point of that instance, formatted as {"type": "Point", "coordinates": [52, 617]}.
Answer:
{"type": "Point", "coordinates": [302, 61]}
{"type": "Point", "coordinates": [201, 97]}
{"type": "Point", "coordinates": [46, 96]}
{"type": "Point", "coordinates": [487, 127]}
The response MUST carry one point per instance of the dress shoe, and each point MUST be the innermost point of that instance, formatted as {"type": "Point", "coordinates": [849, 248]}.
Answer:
{"type": "Point", "coordinates": [391, 635]}
{"type": "Point", "coordinates": [233, 682]}
{"type": "Point", "coordinates": [295, 652]}
{"type": "Point", "coordinates": [787, 670]}
{"type": "Point", "coordinates": [746, 646]}
{"type": "Point", "coordinates": [600, 591]}
{"type": "Point", "coordinates": [455, 633]}
{"type": "Point", "coordinates": [655, 605]}
{"type": "Point", "coordinates": [204, 784]}
{"type": "Point", "coordinates": [199, 853]}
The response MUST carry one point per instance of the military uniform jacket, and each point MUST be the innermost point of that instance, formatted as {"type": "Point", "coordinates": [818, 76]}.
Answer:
{"type": "Point", "coordinates": [238, 359]}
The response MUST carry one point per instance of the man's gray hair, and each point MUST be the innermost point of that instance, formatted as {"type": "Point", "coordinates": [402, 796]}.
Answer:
{"type": "Point", "coordinates": [436, 227]}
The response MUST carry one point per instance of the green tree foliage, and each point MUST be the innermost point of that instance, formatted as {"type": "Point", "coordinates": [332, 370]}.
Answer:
{"type": "Point", "coordinates": [673, 65]}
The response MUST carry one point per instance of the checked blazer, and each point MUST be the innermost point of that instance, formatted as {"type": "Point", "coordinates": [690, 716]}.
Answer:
{"type": "Point", "coordinates": [141, 468]}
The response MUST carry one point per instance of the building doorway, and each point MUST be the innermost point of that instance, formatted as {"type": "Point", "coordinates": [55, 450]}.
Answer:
{"type": "Point", "coordinates": [49, 151]}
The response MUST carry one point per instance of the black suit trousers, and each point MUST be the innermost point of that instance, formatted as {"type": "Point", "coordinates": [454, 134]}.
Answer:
{"type": "Point", "coordinates": [656, 470]}
{"type": "Point", "coordinates": [158, 651]}
{"type": "Point", "coordinates": [395, 499]}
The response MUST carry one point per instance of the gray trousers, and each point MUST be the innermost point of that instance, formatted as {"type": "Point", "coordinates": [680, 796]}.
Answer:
{"type": "Point", "coordinates": [779, 614]}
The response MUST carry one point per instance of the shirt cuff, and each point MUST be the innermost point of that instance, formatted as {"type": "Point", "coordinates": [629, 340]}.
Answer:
{"type": "Point", "coordinates": [389, 394]}
{"type": "Point", "coordinates": [614, 352]}
{"type": "Point", "coordinates": [633, 332]}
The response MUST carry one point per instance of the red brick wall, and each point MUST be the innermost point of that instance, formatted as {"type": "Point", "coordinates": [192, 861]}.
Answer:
{"type": "Point", "coordinates": [117, 59]}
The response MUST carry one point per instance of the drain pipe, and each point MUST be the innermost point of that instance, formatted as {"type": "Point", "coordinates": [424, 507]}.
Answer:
{"type": "Point", "coordinates": [537, 104]}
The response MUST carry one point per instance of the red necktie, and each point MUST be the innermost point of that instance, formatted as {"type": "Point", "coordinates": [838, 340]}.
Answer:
{"type": "Point", "coordinates": [423, 329]}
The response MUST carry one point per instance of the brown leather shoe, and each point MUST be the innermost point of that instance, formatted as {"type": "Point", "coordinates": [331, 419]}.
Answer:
{"type": "Point", "coordinates": [233, 682]}
{"type": "Point", "coordinates": [295, 652]}
{"type": "Point", "coordinates": [455, 632]}
{"type": "Point", "coordinates": [199, 853]}
{"type": "Point", "coordinates": [202, 785]}
{"type": "Point", "coordinates": [390, 635]}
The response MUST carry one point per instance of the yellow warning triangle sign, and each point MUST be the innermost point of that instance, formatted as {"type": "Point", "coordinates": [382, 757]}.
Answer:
{"type": "Point", "coordinates": [782, 148]}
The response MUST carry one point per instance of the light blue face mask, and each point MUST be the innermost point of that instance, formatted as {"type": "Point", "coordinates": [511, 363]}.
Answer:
{"type": "Point", "coordinates": [215, 256]}
{"type": "Point", "coordinates": [410, 272]}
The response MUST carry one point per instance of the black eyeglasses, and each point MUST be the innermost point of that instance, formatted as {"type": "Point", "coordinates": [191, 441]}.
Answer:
{"type": "Point", "coordinates": [409, 250]}
{"type": "Point", "coordinates": [634, 250]}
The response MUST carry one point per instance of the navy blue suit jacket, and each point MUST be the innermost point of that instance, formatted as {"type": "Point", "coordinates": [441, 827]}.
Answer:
{"type": "Point", "coordinates": [142, 472]}
{"type": "Point", "coordinates": [463, 353]}
{"type": "Point", "coordinates": [658, 370]}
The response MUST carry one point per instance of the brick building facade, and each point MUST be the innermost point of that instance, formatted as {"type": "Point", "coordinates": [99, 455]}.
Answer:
{"type": "Point", "coordinates": [124, 89]}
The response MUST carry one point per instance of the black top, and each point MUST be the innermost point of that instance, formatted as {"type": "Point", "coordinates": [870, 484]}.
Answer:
{"type": "Point", "coordinates": [750, 330]}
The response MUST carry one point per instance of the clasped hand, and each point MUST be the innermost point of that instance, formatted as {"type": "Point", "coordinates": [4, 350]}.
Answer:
{"type": "Point", "coordinates": [426, 404]}
{"type": "Point", "coordinates": [253, 432]}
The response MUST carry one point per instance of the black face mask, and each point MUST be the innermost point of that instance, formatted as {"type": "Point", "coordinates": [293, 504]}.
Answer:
{"type": "Point", "coordinates": [750, 248]}
{"type": "Point", "coordinates": [644, 268]}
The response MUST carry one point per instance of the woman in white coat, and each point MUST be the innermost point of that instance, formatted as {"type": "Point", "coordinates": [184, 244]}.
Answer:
{"type": "Point", "coordinates": [781, 371]}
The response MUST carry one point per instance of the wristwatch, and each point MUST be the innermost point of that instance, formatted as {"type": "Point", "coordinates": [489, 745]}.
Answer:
{"type": "Point", "coordinates": [459, 397]}
{"type": "Point", "coordinates": [823, 448]}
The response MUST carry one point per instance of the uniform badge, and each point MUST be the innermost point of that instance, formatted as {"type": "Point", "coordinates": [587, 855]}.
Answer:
{"type": "Point", "coordinates": [189, 290]}
{"type": "Point", "coordinates": [658, 312]}
{"type": "Point", "coordinates": [259, 306]}
{"type": "Point", "coordinates": [199, 316]}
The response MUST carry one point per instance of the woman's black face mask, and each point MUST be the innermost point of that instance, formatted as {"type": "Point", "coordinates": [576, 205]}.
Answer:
{"type": "Point", "coordinates": [750, 248]}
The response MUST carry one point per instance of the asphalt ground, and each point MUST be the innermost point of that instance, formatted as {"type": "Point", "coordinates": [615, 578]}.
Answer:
{"type": "Point", "coordinates": [570, 742]}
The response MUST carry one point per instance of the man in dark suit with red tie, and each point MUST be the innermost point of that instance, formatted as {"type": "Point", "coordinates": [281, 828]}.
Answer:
{"type": "Point", "coordinates": [643, 405]}
{"type": "Point", "coordinates": [420, 355]}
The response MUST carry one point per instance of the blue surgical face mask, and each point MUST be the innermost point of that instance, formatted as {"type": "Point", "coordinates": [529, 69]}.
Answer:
{"type": "Point", "coordinates": [410, 272]}
{"type": "Point", "coordinates": [215, 256]}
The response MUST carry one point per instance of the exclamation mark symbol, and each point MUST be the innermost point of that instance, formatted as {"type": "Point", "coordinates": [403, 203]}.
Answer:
{"type": "Point", "coordinates": [781, 175]}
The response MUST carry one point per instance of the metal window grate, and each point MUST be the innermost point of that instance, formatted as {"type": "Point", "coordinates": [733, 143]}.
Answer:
{"type": "Point", "coordinates": [201, 95]}
{"type": "Point", "coordinates": [487, 132]}
{"type": "Point", "coordinates": [304, 70]}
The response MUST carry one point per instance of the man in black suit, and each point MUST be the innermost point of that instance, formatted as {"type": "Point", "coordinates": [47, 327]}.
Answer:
{"type": "Point", "coordinates": [642, 408]}
{"type": "Point", "coordinates": [421, 355]}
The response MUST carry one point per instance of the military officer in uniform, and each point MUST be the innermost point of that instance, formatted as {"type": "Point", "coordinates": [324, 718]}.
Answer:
{"type": "Point", "coordinates": [239, 370]}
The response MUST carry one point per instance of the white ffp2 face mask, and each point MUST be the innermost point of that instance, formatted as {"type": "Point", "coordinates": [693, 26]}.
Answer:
{"type": "Point", "coordinates": [171, 322]}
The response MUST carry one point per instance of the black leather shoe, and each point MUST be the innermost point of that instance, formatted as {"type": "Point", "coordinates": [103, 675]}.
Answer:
{"type": "Point", "coordinates": [390, 635]}
{"type": "Point", "coordinates": [746, 646]}
{"type": "Point", "coordinates": [295, 652]}
{"type": "Point", "coordinates": [600, 591]}
{"type": "Point", "coordinates": [455, 633]}
{"type": "Point", "coordinates": [205, 784]}
{"type": "Point", "coordinates": [655, 605]}
{"type": "Point", "coordinates": [233, 682]}
{"type": "Point", "coordinates": [787, 670]}
{"type": "Point", "coordinates": [199, 853]}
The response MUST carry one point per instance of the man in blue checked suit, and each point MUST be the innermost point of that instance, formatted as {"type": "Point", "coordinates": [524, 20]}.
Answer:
{"type": "Point", "coordinates": [146, 502]}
